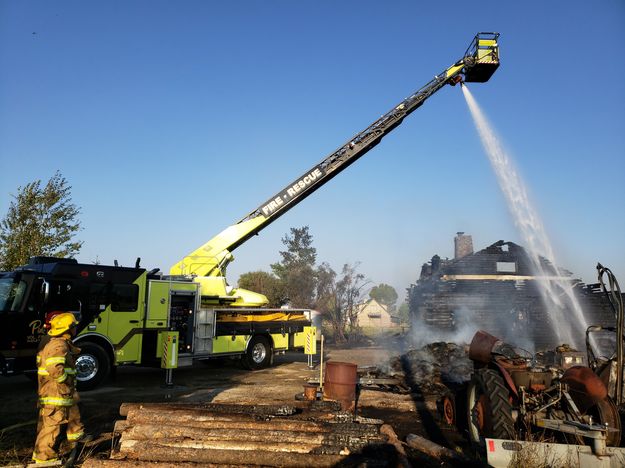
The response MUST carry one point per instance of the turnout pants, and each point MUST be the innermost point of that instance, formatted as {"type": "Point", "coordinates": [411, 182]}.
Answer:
{"type": "Point", "coordinates": [53, 420]}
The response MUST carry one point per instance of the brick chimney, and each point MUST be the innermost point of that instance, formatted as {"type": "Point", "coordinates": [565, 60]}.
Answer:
{"type": "Point", "coordinates": [463, 245]}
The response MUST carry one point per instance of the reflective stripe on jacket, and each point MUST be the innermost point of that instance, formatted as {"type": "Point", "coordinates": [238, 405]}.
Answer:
{"type": "Point", "coordinates": [56, 372]}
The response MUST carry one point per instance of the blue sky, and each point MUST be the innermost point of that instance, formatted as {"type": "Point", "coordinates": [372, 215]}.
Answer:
{"type": "Point", "coordinates": [173, 120]}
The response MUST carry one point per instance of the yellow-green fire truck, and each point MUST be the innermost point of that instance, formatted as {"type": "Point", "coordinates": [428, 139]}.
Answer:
{"type": "Point", "coordinates": [124, 312]}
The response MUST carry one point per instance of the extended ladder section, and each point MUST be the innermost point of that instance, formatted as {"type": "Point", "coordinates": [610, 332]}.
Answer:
{"type": "Point", "coordinates": [477, 65]}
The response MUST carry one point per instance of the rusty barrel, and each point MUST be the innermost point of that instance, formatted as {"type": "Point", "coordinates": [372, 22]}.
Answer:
{"type": "Point", "coordinates": [340, 383]}
{"type": "Point", "coordinates": [310, 391]}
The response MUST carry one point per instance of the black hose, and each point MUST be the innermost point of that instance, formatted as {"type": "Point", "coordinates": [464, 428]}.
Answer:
{"type": "Point", "coordinates": [615, 299]}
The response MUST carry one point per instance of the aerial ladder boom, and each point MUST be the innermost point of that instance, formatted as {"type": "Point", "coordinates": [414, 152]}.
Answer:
{"type": "Point", "coordinates": [210, 260]}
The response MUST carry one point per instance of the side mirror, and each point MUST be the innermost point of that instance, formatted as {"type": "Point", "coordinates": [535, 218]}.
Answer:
{"type": "Point", "coordinates": [45, 292]}
{"type": "Point", "coordinates": [78, 313]}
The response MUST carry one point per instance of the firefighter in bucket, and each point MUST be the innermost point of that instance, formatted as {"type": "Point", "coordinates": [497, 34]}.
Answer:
{"type": "Point", "coordinates": [58, 409]}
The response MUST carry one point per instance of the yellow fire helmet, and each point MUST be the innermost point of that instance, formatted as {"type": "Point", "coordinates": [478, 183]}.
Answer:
{"type": "Point", "coordinates": [61, 323]}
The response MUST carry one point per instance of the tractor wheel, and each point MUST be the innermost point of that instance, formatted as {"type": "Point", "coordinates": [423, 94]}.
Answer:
{"type": "Point", "coordinates": [489, 411]}
{"type": "Point", "coordinates": [449, 410]}
{"type": "Point", "coordinates": [258, 354]}
{"type": "Point", "coordinates": [605, 412]}
{"type": "Point", "coordinates": [93, 366]}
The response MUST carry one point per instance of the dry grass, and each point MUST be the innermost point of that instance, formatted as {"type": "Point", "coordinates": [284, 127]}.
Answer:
{"type": "Point", "coordinates": [16, 443]}
{"type": "Point", "coordinates": [16, 446]}
{"type": "Point", "coordinates": [539, 454]}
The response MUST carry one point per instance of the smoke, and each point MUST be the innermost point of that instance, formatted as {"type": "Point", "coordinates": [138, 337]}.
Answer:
{"type": "Point", "coordinates": [421, 334]}
{"type": "Point", "coordinates": [508, 325]}
{"type": "Point", "coordinates": [556, 292]}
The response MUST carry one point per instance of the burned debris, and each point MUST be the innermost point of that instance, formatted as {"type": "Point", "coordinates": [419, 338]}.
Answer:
{"type": "Point", "coordinates": [495, 290]}
{"type": "Point", "coordinates": [432, 369]}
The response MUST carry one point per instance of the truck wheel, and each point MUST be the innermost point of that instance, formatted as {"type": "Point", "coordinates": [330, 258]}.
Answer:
{"type": "Point", "coordinates": [93, 366]}
{"type": "Point", "coordinates": [258, 354]}
{"type": "Point", "coordinates": [489, 411]}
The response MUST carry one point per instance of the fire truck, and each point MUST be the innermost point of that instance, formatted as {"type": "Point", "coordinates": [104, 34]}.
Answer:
{"type": "Point", "coordinates": [124, 311]}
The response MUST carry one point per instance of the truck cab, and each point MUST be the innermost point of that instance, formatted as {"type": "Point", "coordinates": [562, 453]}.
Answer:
{"type": "Point", "coordinates": [93, 293]}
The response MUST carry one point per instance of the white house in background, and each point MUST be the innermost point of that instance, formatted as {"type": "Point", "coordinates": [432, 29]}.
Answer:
{"type": "Point", "coordinates": [372, 314]}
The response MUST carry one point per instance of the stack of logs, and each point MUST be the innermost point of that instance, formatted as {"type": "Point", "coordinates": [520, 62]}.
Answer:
{"type": "Point", "coordinates": [173, 434]}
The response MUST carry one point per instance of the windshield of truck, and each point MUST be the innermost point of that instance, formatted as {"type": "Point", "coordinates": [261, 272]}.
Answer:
{"type": "Point", "coordinates": [11, 294]}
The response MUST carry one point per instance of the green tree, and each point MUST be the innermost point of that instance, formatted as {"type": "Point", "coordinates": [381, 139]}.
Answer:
{"type": "Point", "coordinates": [385, 295]}
{"type": "Point", "coordinates": [404, 313]}
{"type": "Point", "coordinates": [296, 269]}
{"type": "Point", "coordinates": [264, 283]}
{"type": "Point", "coordinates": [40, 221]}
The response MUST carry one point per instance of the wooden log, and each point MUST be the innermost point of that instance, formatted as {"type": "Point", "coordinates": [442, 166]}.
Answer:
{"type": "Point", "coordinates": [194, 414]}
{"type": "Point", "coordinates": [101, 463]}
{"type": "Point", "coordinates": [133, 448]}
{"type": "Point", "coordinates": [217, 423]}
{"type": "Point", "coordinates": [391, 436]}
{"type": "Point", "coordinates": [243, 422]}
{"type": "Point", "coordinates": [150, 431]}
{"type": "Point", "coordinates": [234, 416]}
{"type": "Point", "coordinates": [433, 449]}
{"type": "Point", "coordinates": [121, 425]}
{"type": "Point", "coordinates": [151, 452]}
{"type": "Point", "coordinates": [260, 410]}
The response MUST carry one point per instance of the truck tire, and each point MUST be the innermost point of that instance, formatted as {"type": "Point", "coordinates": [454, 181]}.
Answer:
{"type": "Point", "coordinates": [258, 354]}
{"type": "Point", "coordinates": [489, 411]}
{"type": "Point", "coordinates": [93, 366]}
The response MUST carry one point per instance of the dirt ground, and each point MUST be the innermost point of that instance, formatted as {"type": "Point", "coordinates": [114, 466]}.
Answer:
{"type": "Point", "coordinates": [222, 381]}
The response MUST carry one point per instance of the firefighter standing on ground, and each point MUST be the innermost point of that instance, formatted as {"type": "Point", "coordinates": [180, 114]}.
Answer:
{"type": "Point", "coordinates": [58, 398]}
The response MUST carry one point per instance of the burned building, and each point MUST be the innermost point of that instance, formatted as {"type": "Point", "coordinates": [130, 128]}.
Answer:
{"type": "Point", "coordinates": [496, 290]}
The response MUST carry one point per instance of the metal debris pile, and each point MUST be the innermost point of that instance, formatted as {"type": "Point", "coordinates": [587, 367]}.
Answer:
{"type": "Point", "coordinates": [373, 378]}
{"type": "Point", "coordinates": [173, 434]}
{"type": "Point", "coordinates": [436, 367]}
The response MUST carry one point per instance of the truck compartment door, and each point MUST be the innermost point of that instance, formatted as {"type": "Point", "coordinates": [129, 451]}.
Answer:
{"type": "Point", "coordinates": [204, 332]}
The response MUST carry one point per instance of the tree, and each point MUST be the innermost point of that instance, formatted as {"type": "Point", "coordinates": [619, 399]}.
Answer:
{"type": "Point", "coordinates": [385, 295]}
{"type": "Point", "coordinates": [404, 313]}
{"type": "Point", "coordinates": [327, 302]}
{"type": "Point", "coordinates": [40, 221]}
{"type": "Point", "coordinates": [348, 290]}
{"type": "Point", "coordinates": [264, 283]}
{"type": "Point", "coordinates": [296, 270]}
{"type": "Point", "coordinates": [337, 299]}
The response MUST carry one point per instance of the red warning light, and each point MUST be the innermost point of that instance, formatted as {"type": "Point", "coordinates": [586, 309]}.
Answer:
{"type": "Point", "coordinates": [84, 274]}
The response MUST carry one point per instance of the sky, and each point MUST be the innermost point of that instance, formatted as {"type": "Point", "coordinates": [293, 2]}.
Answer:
{"type": "Point", "coordinates": [173, 120]}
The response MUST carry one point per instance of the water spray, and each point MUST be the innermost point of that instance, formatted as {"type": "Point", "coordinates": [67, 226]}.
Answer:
{"type": "Point", "coordinates": [556, 291]}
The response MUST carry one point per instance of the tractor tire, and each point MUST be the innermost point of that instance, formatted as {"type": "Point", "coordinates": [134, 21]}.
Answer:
{"type": "Point", "coordinates": [258, 354]}
{"type": "Point", "coordinates": [489, 411]}
{"type": "Point", "coordinates": [93, 366]}
{"type": "Point", "coordinates": [605, 412]}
